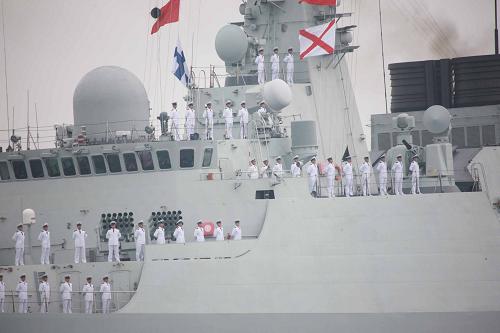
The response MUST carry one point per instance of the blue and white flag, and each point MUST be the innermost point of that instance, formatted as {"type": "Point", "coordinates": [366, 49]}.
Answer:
{"type": "Point", "coordinates": [180, 67]}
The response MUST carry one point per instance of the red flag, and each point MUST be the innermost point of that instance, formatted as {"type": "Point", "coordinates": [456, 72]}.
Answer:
{"type": "Point", "coordinates": [320, 2]}
{"type": "Point", "coordinates": [169, 14]}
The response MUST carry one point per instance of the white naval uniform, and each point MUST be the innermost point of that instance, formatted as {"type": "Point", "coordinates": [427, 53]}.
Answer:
{"type": "Point", "coordinates": [199, 234]}
{"type": "Point", "coordinates": [415, 177]}
{"type": "Point", "coordinates": [265, 116]}
{"type": "Point", "coordinates": [243, 115]}
{"type": "Point", "coordinates": [174, 124]}
{"type": "Point", "coordinates": [140, 243]}
{"type": "Point", "coordinates": [330, 179]}
{"type": "Point", "coordinates": [22, 295]}
{"type": "Point", "coordinates": [312, 177]}
{"type": "Point", "coordinates": [228, 119]}
{"type": "Point", "coordinates": [79, 237]}
{"type": "Point", "coordinates": [208, 115]}
{"type": "Point", "coordinates": [236, 233]}
{"type": "Point", "coordinates": [288, 60]}
{"type": "Point", "coordinates": [348, 178]}
{"type": "Point", "coordinates": [18, 237]}
{"type": "Point", "coordinates": [66, 289]}
{"type": "Point", "coordinates": [253, 172]}
{"type": "Point", "coordinates": [44, 238]}
{"type": "Point", "coordinates": [160, 235]}
{"type": "Point", "coordinates": [365, 170]}
{"type": "Point", "coordinates": [88, 296]}
{"type": "Point", "coordinates": [259, 61]}
{"type": "Point", "coordinates": [2, 297]}
{"type": "Point", "coordinates": [382, 177]}
{"type": "Point", "coordinates": [179, 235]}
{"type": "Point", "coordinates": [264, 170]}
{"type": "Point", "coordinates": [44, 290]}
{"type": "Point", "coordinates": [190, 119]}
{"type": "Point", "coordinates": [275, 66]}
{"type": "Point", "coordinates": [219, 233]}
{"type": "Point", "coordinates": [278, 172]}
{"type": "Point", "coordinates": [397, 169]}
{"type": "Point", "coordinates": [113, 236]}
{"type": "Point", "coordinates": [106, 296]}
{"type": "Point", "coordinates": [294, 170]}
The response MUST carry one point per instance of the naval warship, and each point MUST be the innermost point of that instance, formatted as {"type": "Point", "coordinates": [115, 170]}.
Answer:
{"type": "Point", "coordinates": [362, 264]}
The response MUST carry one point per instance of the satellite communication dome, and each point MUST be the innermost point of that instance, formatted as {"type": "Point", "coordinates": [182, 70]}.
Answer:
{"type": "Point", "coordinates": [437, 119]}
{"type": "Point", "coordinates": [110, 99]}
{"type": "Point", "coordinates": [29, 216]}
{"type": "Point", "coordinates": [231, 43]}
{"type": "Point", "coordinates": [277, 94]}
{"type": "Point", "coordinates": [402, 120]}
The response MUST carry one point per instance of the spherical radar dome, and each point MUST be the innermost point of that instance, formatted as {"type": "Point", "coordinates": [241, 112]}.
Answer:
{"type": "Point", "coordinates": [277, 94]}
{"type": "Point", "coordinates": [436, 119]}
{"type": "Point", "coordinates": [231, 43]}
{"type": "Point", "coordinates": [110, 99]}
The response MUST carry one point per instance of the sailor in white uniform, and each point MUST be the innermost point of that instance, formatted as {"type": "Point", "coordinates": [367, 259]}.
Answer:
{"type": "Point", "coordinates": [105, 291]}
{"type": "Point", "coordinates": [174, 122]}
{"type": "Point", "coordinates": [44, 238]}
{"type": "Point", "coordinates": [330, 177]}
{"type": "Point", "coordinates": [113, 236]}
{"type": "Point", "coordinates": [382, 175]}
{"type": "Point", "coordinates": [366, 170]}
{"type": "Point", "coordinates": [275, 64]}
{"type": "Point", "coordinates": [2, 294]}
{"type": "Point", "coordinates": [288, 60]}
{"type": "Point", "coordinates": [259, 61]}
{"type": "Point", "coordinates": [295, 167]}
{"type": "Point", "coordinates": [219, 231]}
{"type": "Point", "coordinates": [199, 232]}
{"type": "Point", "coordinates": [18, 237]}
{"type": "Point", "coordinates": [228, 119]}
{"type": "Point", "coordinates": [253, 171]}
{"type": "Point", "coordinates": [22, 295]}
{"type": "Point", "coordinates": [66, 290]}
{"type": "Point", "coordinates": [44, 290]}
{"type": "Point", "coordinates": [264, 170]}
{"type": "Point", "coordinates": [397, 170]}
{"type": "Point", "coordinates": [88, 295]}
{"type": "Point", "coordinates": [190, 120]}
{"type": "Point", "coordinates": [312, 177]}
{"type": "Point", "coordinates": [208, 116]}
{"type": "Point", "coordinates": [278, 170]}
{"type": "Point", "coordinates": [160, 234]}
{"type": "Point", "coordinates": [140, 241]}
{"type": "Point", "coordinates": [348, 177]}
{"type": "Point", "coordinates": [79, 237]}
{"type": "Point", "coordinates": [179, 233]}
{"type": "Point", "coordinates": [415, 176]}
{"type": "Point", "coordinates": [265, 117]}
{"type": "Point", "coordinates": [243, 115]}
{"type": "Point", "coordinates": [236, 232]}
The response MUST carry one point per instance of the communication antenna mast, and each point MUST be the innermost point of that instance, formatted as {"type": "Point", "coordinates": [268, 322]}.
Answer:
{"type": "Point", "coordinates": [496, 26]}
{"type": "Point", "coordinates": [5, 71]}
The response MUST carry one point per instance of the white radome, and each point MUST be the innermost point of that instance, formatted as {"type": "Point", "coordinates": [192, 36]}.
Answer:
{"type": "Point", "coordinates": [277, 94]}
{"type": "Point", "coordinates": [437, 119]}
{"type": "Point", "coordinates": [29, 216]}
{"type": "Point", "coordinates": [231, 43]}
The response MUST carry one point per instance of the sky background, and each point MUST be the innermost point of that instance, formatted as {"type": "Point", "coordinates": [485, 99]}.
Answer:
{"type": "Point", "coordinates": [52, 44]}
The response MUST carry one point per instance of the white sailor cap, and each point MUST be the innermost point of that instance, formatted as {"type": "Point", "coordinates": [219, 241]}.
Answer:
{"type": "Point", "coordinates": [383, 156]}
{"type": "Point", "coordinates": [44, 275]}
{"type": "Point", "coordinates": [67, 276]}
{"type": "Point", "coordinates": [141, 222]}
{"type": "Point", "coordinates": [262, 102]}
{"type": "Point", "coordinates": [278, 158]}
{"type": "Point", "coordinates": [19, 225]}
{"type": "Point", "coordinates": [275, 48]}
{"type": "Point", "coordinates": [252, 159]}
{"type": "Point", "coordinates": [366, 157]}
{"type": "Point", "coordinates": [219, 221]}
{"type": "Point", "coordinates": [415, 156]}
{"type": "Point", "coordinates": [190, 103]}
{"type": "Point", "coordinates": [290, 48]}
{"type": "Point", "coordinates": [174, 102]}
{"type": "Point", "coordinates": [112, 222]}
{"type": "Point", "coordinates": [209, 103]}
{"type": "Point", "coordinates": [179, 222]}
{"type": "Point", "coordinates": [88, 277]}
{"type": "Point", "coordinates": [243, 102]}
{"type": "Point", "coordinates": [313, 158]}
{"type": "Point", "coordinates": [296, 156]}
{"type": "Point", "coordinates": [399, 155]}
{"type": "Point", "coordinates": [45, 225]}
{"type": "Point", "coordinates": [329, 158]}
{"type": "Point", "coordinates": [199, 222]}
{"type": "Point", "coordinates": [348, 157]}
{"type": "Point", "coordinates": [105, 277]}
{"type": "Point", "coordinates": [22, 275]}
{"type": "Point", "coordinates": [78, 223]}
{"type": "Point", "coordinates": [261, 49]}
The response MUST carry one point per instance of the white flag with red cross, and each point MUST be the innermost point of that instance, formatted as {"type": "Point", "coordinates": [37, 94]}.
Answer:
{"type": "Point", "coordinates": [317, 40]}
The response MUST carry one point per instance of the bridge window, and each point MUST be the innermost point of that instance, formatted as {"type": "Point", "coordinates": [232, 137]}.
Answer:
{"type": "Point", "coordinates": [4, 171]}
{"type": "Point", "coordinates": [187, 158]}
{"type": "Point", "coordinates": [68, 166]}
{"type": "Point", "coordinates": [146, 160]}
{"type": "Point", "coordinates": [19, 169]}
{"type": "Point", "coordinates": [113, 162]}
{"type": "Point", "coordinates": [99, 165]}
{"type": "Point", "coordinates": [36, 169]}
{"type": "Point", "coordinates": [130, 162]}
{"type": "Point", "coordinates": [52, 166]}
{"type": "Point", "coordinates": [488, 135]}
{"type": "Point", "coordinates": [83, 165]}
{"type": "Point", "coordinates": [207, 157]}
{"type": "Point", "coordinates": [473, 137]}
{"type": "Point", "coordinates": [163, 159]}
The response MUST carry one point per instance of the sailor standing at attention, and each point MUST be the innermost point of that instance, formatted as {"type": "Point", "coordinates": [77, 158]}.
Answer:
{"type": "Point", "coordinates": [264, 170]}
{"type": "Point", "coordinates": [140, 241]}
{"type": "Point", "coordinates": [330, 177]}
{"type": "Point", "coordinates": [259, 61]}
{"type": "Point", "coordinates": [66, 289]}
{"type": "Point", "coordinates": [236, 232]}
{"type": "Point", "coordinates": [79, 237]}
{"type": "Point", "coordinates": [382, 175]}
{"type": "Point", "coordinates": [278, 170]}
{"type": "Point", "coordinates": [179, 233]}
{"type": "Point", "coordinates": [253, 172]}
{"type": "Point", "coordinates": [44, 290]}
{"type": "Point", "coordinates": [88, 295]}
{"type": "Point", "coordinates": [219, 232]}
{"type": "Point", "coordinates": [275, 64]}
{"type": "Point", "coordinates": [295, 168]}
{"type": "Point", "coordinates": [365, 170]}
{"type": "Point", "coordinates": [160, 234]}
{"type": "Point", "coordinates": [174, 122]}
{"type": "Point", "coordinates": [199, 232]}
{"type": "Point", "coordinates": [348, 177]}
{"type": "Point", "coordinates": [415, 176]}
{"type": "Point", "coordinates": [19, 239]}
{"type": "Point", "coordinates": [190, 120]}
{"type": "Point", "coordinates": [105, 290]}
{"type": "Point", "coordinates": [44, 238]}
{"type": "Point", "coordinates": [208, 115]}
{"type": "Point", "coordinates": [228, 119]}
{"type": "Point", "coordinates": [312, 177]}
{"type": "Point", "coordinates": [22, 295]}
{"type": "Point", "coordinates": [243, 115]}
{"type": "Point", "coordinates": [113, 236]}
{"type": "Point", "coordinates": [2, 294]}
{"type": "Point", "coordinates": [397, 170]}
{"type": "Point", "coordinates": [288, 60]}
